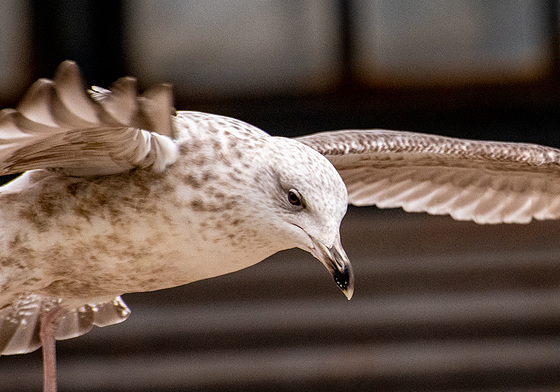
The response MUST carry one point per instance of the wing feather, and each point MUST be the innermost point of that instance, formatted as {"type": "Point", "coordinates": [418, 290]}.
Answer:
{"type": "Point", "coordinates": [59, 125]}
{"type": "Point", "coordinates": [488, 182]}
{"type": "Point", "coordinates": [20, 322]}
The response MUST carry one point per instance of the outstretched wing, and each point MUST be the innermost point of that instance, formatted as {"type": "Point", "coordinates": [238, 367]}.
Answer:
{"type": "Point", "coordinates": [58, 125]}
{"type": "Point", "coordinates": [488, 182]}
{"type": "Point", "coordinates": [20, 322]}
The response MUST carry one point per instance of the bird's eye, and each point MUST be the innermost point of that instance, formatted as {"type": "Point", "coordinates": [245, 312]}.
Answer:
{"type": "Point", "coordinates": [294, 198]}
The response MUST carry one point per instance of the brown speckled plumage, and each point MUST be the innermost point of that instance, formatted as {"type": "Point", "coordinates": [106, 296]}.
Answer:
{"type": "Point", "coordinates": [111, 221]}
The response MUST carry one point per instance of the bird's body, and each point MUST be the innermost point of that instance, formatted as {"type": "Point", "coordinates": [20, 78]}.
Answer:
{"type": "Point", "coordinates": [123, 194]}
{"type": "Point", "coordinates": [87, 240]}
{"type": "Point", "coordinates": [108, 235]}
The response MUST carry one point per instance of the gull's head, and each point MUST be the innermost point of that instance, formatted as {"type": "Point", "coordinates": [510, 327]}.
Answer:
{"type": "Point", "coordinates": [306, 201]}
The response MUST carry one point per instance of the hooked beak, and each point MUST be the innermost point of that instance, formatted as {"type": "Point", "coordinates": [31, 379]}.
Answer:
{"type": "Point", "coordinates": [337, 263]}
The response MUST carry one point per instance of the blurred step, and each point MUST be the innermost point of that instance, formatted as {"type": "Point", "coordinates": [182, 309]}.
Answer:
{"type": "Point", "coordinates": [329, 321]}
{"type": "Point", "coordinates": [455, 363]}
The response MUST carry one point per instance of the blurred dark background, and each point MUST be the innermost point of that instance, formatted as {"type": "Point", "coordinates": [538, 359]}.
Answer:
{"type": "Point", "coordinates": [468, 68]}
{"type": "Point", "coordinates": [440, 305]}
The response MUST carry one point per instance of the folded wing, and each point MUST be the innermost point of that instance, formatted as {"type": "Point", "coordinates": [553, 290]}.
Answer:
{"type": "Point", "coordinates": [488, 182]}
{"type": "Point", "coordinates": [58, 125]}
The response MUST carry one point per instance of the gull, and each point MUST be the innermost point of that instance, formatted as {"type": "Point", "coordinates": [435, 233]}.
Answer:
{"type": "Point", "coordinates": [120, 193]}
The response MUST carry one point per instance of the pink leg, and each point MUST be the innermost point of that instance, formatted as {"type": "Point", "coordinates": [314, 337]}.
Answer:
{"type": "Point", "coordinates": [49, 323]}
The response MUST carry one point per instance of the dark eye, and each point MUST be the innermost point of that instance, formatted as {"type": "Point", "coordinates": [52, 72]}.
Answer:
{"type": "Point", "coordinates": [294, 198]}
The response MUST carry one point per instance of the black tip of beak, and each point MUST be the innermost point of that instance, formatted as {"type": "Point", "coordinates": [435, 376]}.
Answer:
{"type": "Point", "coordinates": [337, 263]}
{"type": "Point", "coordinates": [345, 280]}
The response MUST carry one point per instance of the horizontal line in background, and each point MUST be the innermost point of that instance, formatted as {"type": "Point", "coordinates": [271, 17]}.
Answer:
{"type": "Point", "coordinates": [445, 261]}
{"type": "Point", "coordinates": [302, 364]}
{"type": "Point", "coordinates": [321, 314]}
